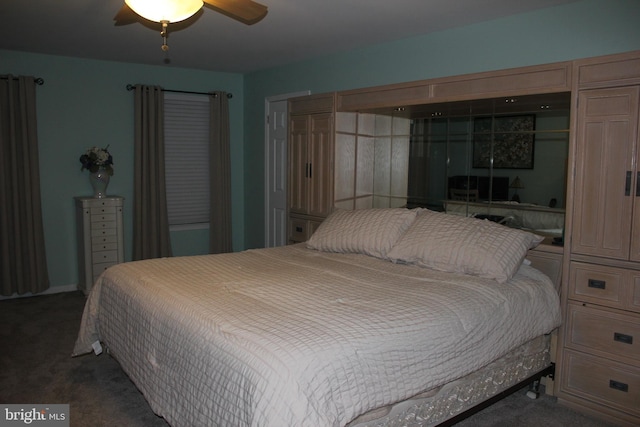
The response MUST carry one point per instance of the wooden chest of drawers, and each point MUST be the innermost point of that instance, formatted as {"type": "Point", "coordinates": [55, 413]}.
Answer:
{"type": "Point", "coordinates": [601, 357]}
{"type": "Point", "coordinates": [100, 237]}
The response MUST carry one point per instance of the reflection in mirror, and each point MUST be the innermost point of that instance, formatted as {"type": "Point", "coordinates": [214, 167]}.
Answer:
{"type": "Point", "coordinates": [371, 160]}
{"type": "Point", "coordinates": [502, 159]}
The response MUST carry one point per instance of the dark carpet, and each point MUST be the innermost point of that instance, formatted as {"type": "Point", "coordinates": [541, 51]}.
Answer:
{"type": "Point", "coordinates": [37, 335]}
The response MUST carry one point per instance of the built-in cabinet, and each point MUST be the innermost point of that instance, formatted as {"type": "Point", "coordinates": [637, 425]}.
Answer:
{"type": "Point", "coordinates": [598, 346]}
{"type": "Point", "coordinates": [607, 174]}
{"type": "Point", "coordinates": [374, 137]}
{"type": "Point", "coordinates": [100, 236]}
{"type": "Point", "coordinates": [600, 341]}
{"type": "Point", "coordinates": [310, 153]}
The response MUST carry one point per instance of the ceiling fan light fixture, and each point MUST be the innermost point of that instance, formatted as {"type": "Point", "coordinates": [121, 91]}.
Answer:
{"type": "Point", "coordinates": [165, 10]}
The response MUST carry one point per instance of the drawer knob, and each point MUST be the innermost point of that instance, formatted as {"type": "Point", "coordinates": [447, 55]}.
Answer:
{"type": "Point", "coordinates": [598, 284]}
{"type": "Point", "coordinates": [617, 385]}
{"type": "Point", "coordinates": [623, 338]}
{"type": "Point", "coordinates": [299, 229]}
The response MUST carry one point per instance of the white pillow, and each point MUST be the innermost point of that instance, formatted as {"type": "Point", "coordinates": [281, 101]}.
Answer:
{"type": "Point", "coordinates": [464, 245]}
{"type": "Point", "coordinates": [367, 231]}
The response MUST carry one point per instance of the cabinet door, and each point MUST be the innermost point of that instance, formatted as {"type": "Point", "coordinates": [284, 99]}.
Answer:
{"type": "Point", "coordinates": [634, 254]}
{"type": "Point", "coordinates": [606, 147]}
{"type": "Point", "coordinates": [320, 171]}
{"type": "Point", "coordinates": [634, 299]}
{"type": "Point", "coordinates": [298, 164]}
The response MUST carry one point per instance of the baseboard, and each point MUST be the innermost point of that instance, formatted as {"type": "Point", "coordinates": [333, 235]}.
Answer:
{"type": "Point", "coordinates": [51, 290]}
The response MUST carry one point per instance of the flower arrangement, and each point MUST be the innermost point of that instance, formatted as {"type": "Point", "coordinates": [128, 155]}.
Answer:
{"type": "Point", "coordinates": [96, 158]}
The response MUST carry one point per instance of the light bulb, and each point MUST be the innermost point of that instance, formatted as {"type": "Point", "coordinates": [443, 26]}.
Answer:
{"type": "Point", "coordinates": [165, 10]}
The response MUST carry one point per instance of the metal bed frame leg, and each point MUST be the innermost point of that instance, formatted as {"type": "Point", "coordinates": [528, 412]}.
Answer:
{"type": "Point", "coordinates": [534, 387]}
{"type": "Point", "coordinates": [534, 390]}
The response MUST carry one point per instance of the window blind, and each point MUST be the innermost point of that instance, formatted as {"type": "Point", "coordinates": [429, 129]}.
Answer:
{"type": "Point", "coordinates": [186, 132]}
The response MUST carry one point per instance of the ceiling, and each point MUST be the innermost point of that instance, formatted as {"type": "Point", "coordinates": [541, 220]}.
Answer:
{"type": "Point", "coordinates": [293, 30]}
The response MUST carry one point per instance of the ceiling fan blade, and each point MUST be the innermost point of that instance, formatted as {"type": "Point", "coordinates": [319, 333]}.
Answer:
{"type": "Point", "coordinates": [245, 11]}
{"type": "Point", "coordinates": [126, 16]}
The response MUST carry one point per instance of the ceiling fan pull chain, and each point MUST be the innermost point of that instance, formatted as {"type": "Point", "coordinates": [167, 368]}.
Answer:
{"type": "Point", "coordinates": [164, 33]}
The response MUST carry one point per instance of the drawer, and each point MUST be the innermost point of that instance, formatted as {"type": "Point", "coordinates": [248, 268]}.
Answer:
{"type": "Point", "coordinates": [597, 283]}
{"type": "Point", "coordinates": [602, 381]}
{"type": "Point", "coordinates": [103, 210]}
{"type": "Point", "coordinates": [104, 238]}
{"type": "Point", "coordinates": [298, 230]}
{"type": "Point", "coordinates": [98, 225]}
{"type": "Point", "coordinates": [104, 246]}
{"type": "Point", "coordinates": [104, 256]}
{"type": "Point", "coordinates": [98, 232]}
{"type": "Point", "coordinates": [109, 217]}
{"type": "Point", "coordinates": [100, 267]}
{"type": "Point", "coordinates": [106, 203]}
{"type": "Point", "coordinates": [607, 333]}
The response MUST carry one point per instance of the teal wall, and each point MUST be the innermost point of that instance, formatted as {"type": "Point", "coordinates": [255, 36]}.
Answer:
{"type": "Point", "coordinates": [85, 103]}
{"type": "Point", "coordinates": [576, 30]}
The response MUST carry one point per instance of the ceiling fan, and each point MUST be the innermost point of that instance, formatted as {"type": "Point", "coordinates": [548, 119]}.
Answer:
{"type": "Point", "coordinates": [168, 12]}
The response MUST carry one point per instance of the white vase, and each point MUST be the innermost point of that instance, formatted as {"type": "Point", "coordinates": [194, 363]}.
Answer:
{"type": "Point", "coordinates": [99, 181]}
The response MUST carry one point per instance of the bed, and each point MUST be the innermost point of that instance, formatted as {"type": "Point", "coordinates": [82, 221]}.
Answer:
{"type": "Point", "coordinates": [373, 321]}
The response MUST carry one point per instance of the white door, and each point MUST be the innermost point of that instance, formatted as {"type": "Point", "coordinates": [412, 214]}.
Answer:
{"type": "Point", "coordinates": [276, 169]}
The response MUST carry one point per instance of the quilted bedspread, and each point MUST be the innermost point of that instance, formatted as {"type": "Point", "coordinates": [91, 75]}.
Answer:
{"type": "Point", "coordinates": [295, 337]}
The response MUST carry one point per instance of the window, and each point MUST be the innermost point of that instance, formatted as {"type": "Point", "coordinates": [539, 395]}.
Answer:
{"type": "Point", "coordinates": [186, 138]}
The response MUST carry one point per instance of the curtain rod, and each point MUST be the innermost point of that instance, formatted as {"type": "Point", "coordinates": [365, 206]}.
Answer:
{"type": "Point", "coordinates": [130, 87]}
{"type": "Point", "coordinates": [38, 80]}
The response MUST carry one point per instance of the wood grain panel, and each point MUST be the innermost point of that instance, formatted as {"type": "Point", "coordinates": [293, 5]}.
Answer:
{"type": "Point", "coordinates": [550, 263]}
{"type": "Point", "coordinates": [601, 380]}
{"type": "Point", "coordinates": [607, 333]}
{"type": "Point", "coordinates": [320, 191]}
{"type": "Point", "coordinates": [521, 81]}
{"type": "Point", "coordinates": [634, 299]}
{"type": "Point", "coordinates": [618, 69]}
{"type": "Point", "coordinates": [606, 135]}
{"type": "Point", "coordinates": [383, 96]}
{"type": "Point", "coordinates": [597, 284]}
{"type": "Point", "coordinates": [298, 160]}
{"type": "Point", "coordinates": [309, 104]}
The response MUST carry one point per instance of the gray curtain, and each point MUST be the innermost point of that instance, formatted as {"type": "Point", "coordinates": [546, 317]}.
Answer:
{"type": "Point", "coordinates": [23, 263]}
{"type": "Point", "coordinates": [150, 220]}
{"type": "Point", "coordinates": [220, 175]}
